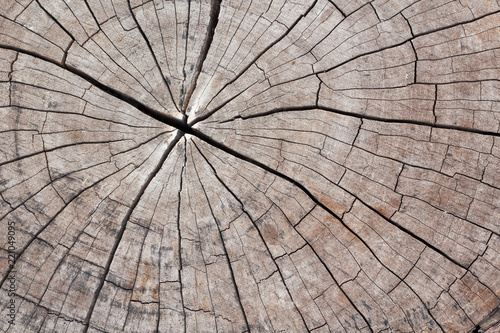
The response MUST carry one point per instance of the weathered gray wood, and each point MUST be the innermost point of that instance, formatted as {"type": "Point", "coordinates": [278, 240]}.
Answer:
{"type": "Point", "coordinates": [237, 166]}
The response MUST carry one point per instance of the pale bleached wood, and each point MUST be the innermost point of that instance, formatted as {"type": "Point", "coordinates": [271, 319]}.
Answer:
{"type": "Point", "coordinates": [250, 166]}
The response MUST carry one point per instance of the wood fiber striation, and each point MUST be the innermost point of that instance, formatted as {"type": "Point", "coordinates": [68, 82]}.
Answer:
{"type": "Point", "coordinates": [249, 166]}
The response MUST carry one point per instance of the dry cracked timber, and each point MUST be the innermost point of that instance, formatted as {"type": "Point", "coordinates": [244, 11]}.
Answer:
{"type": "Point", "coordinates": [249, 166]}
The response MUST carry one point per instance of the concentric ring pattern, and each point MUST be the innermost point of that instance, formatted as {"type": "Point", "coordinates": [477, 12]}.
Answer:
{"type": "Point", "coordinates": [249, 165]}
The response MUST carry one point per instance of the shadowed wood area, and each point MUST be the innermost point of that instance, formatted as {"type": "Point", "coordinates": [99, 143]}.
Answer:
{"type": "Point", "coordinates": [249, 166]}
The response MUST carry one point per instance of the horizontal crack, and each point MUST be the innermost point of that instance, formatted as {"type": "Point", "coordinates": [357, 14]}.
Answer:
{"type": "Point", "coordinates": [180, 124]}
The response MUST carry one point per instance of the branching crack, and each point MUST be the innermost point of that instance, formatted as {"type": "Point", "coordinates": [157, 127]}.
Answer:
{"type": "Point", "coordinates": [124, 224]}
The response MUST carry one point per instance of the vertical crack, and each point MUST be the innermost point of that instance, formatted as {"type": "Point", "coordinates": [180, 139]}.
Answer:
{"type": "Point", "coordinates": [35, 236]}
{"type": "Point", "coordinates": [11, 73]}
{"type": "Point", "coordinates": [435, 98]}
{"type": "Point", "coordinates": [256, 228]}
{"type": "Point", "coordinates": [164, 78]}
{"type": "Point", "coordinates": [179, 236]}
{"type": "Point", "coordinates": [212, 24]}
{"type": "Point", "coordinates": [223, 247]}
{"type": "Point", "coordinates": [183, 88]}
{"type": "Point", "coordinates": [416, 62]}
{"type": "Point", "coordinates": [126, 218]}
{"type": "Point", "coordinates": [65, 56]}
{"type": "Point", "coordinates": [55, 21]}
{"type": "Point", "coordinates": [208, 114]}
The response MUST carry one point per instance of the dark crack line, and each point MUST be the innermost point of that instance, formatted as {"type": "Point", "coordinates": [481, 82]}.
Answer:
{"type": "Point", "coordinates": [241, 156]}
{"type": "Point", "coordinates": [183, 126]}
{"type": "Point", "coordinates": [179, 247]}
{"type": "Point", "coordinates": [338, 8]}
{"type": "Point", "coordinates": [50, 184]}
{"type": "Point", "coordinates": [162, 38]}
{"type": "Point", "coordinates": [308, 244]}
{"type": "Point", "coordinates": [235, 31]}
{"type": "Point", "coordinates": [415, 71]}
{"type": "Point", "coordinates": [22, 107]}
{"type": "Point", "coordinates": [260, 236]}
{"type": "Point", "coordinates": [261, 165]}
{"type": "Point", "coordinates": [48, 90]}
{"type": "Point", "coordinates": [68, 250]}
{"type": "Point", "coordinates": [446, 27]}
{"type": "Point", "coordinates": [223, 246]}
{"type": "Point", "coordinates": [124, 224]}
{"type": "Point", "coordinates": [55, 21]}
{"type": "Point", "coordinates": [76, 276]}
{"type": "Point", "coordinates": [152, 54]}
{"type": "Point", "coordinates": [164, 118]}
{"type": "Point", "coordinates": [217, 108]}
{"type": "Point", "coordinates": [59, 315]}
{"type": "Point", "coordinates": [35, 236]}
{"type": "Point", "coordinates": [201, 250]}
{"type": "Point", "coordinates": [93, 16]}
{"type": "Point", "coordinates": [183, 87]}
{"type": "Point", "coordinates": [45, 151]}
{"type": "Point", "coordinates": [158, 318]}
{"type": "Point", "coordinates": [141, 80]}
{"type": "Point", "coordinates": [212, 25]}
{"type": "Point", "coordinates": [359, 116]}
{"type": "Point", "coordinates": [207, 115]}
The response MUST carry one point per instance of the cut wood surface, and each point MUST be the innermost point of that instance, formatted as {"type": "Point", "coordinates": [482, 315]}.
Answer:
{"type": "Point", "coordinates": [250, 166]}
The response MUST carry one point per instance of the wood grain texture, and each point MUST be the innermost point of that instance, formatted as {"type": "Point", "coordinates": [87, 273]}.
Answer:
{"type": "Point", "coordinates": [249, 166]}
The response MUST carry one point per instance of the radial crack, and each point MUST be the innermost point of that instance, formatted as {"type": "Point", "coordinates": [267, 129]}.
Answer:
{"type": "Point", "coordinates": [124, 222]}
{"type": "Point", "coordinates": [212, 25]}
